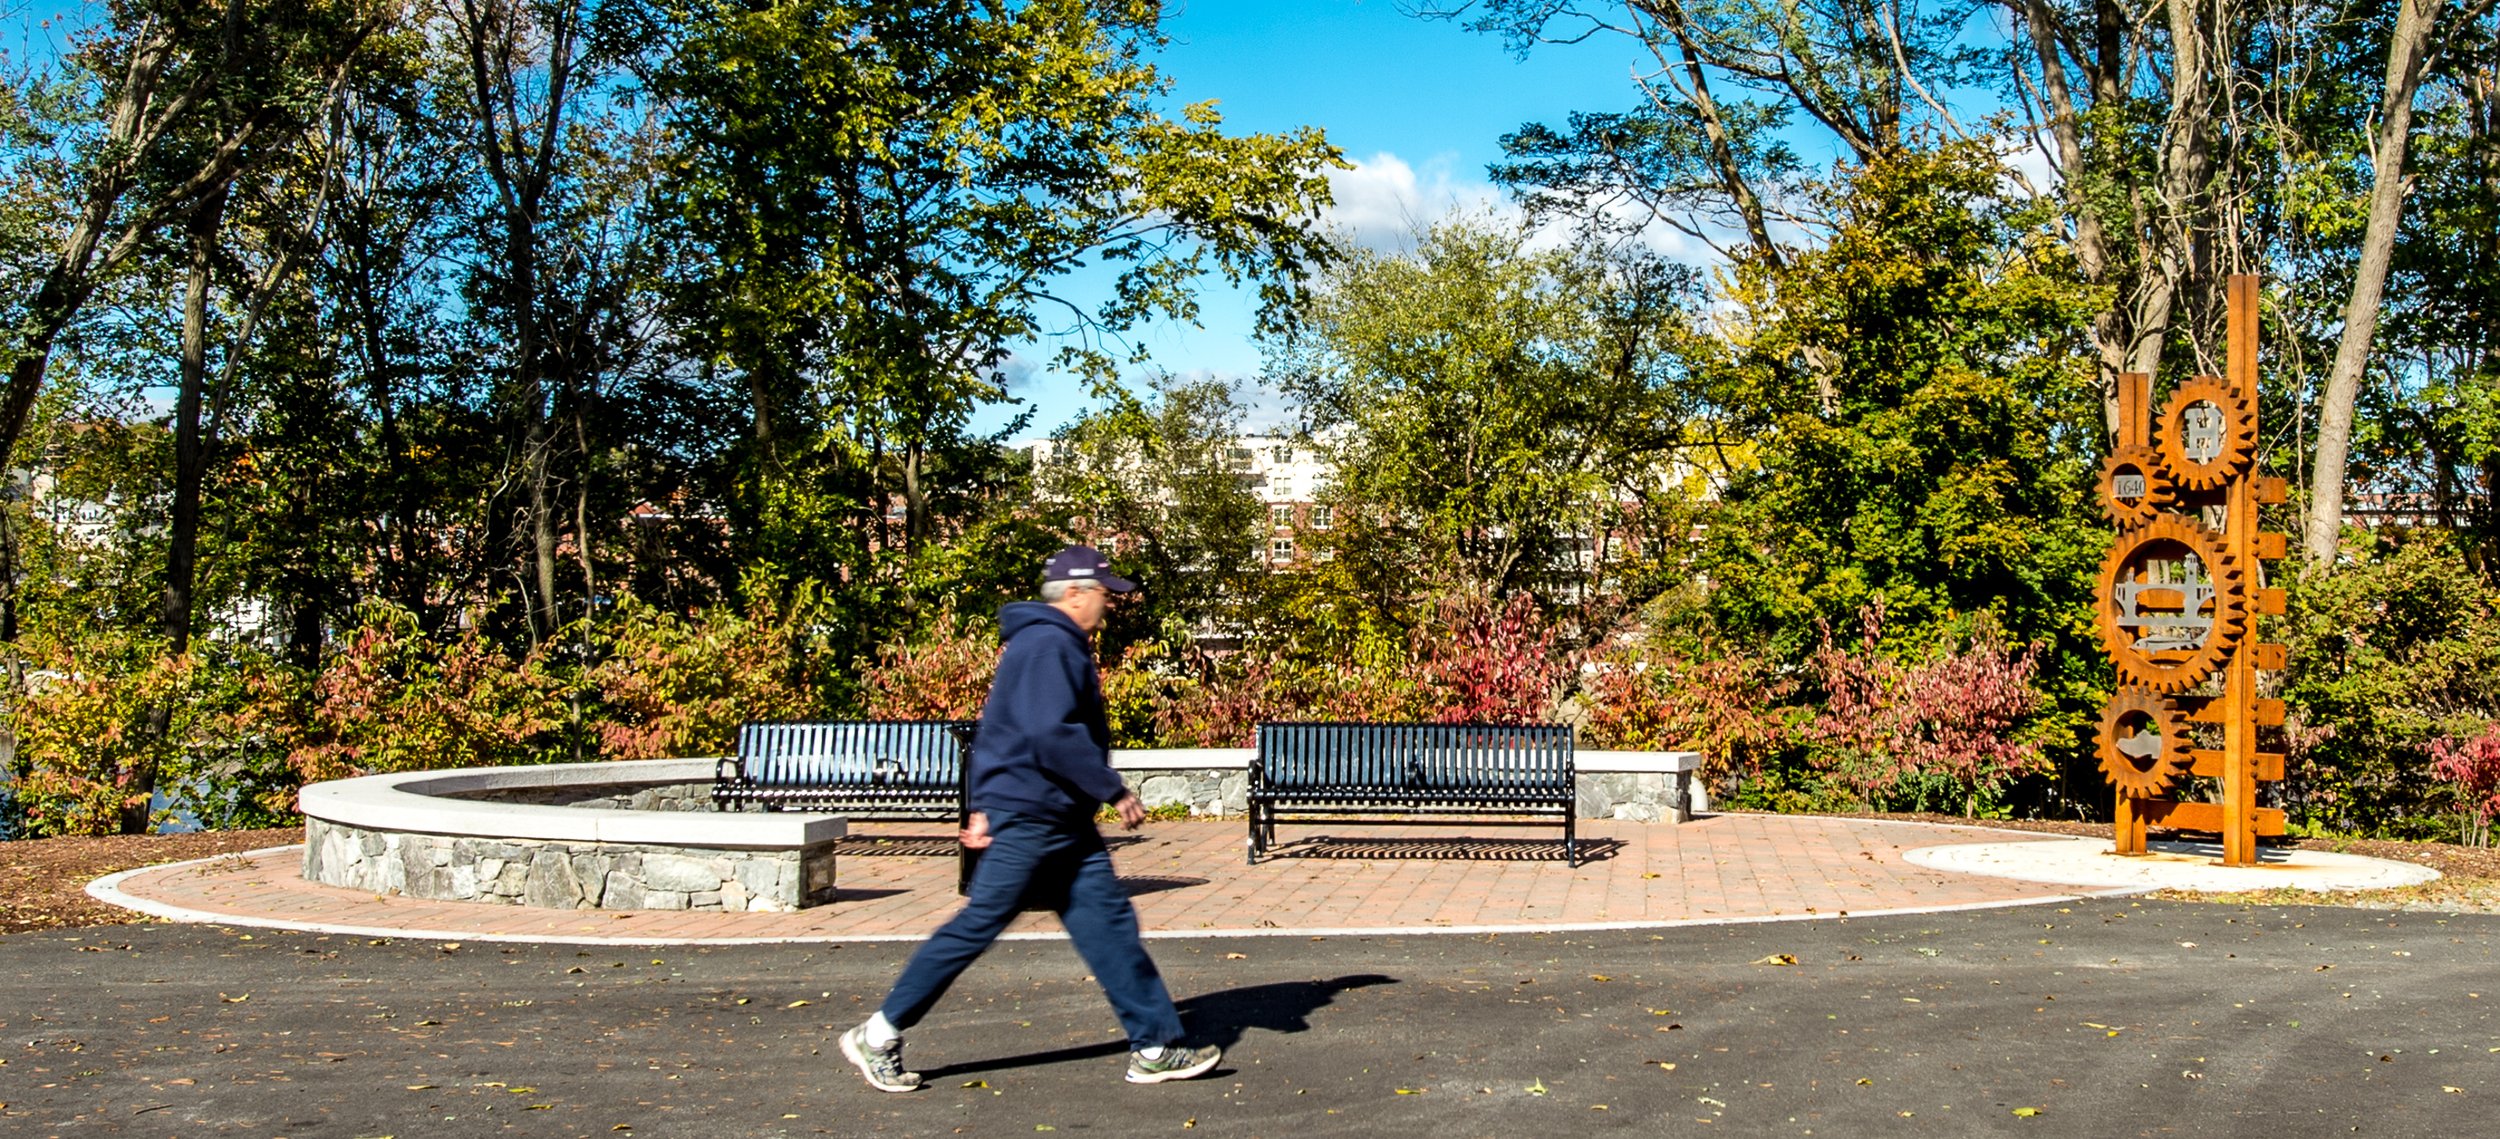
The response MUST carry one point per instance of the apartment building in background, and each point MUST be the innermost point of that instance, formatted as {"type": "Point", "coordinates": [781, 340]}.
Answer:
{"type": "Point", "coordinates": [1287, 477]}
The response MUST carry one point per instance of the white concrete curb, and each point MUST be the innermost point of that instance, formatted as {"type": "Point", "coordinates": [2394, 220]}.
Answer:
{"type": "Point", "coordinates": [108, 889]}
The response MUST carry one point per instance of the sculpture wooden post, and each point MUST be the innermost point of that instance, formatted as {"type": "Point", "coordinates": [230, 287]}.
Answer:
{"type": "Point", "coordinates": [2177, 601]}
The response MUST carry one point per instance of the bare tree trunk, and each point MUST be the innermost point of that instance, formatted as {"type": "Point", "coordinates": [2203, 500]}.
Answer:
{"type": "Point", "coordinates": [191, 442]}
{"type": "Point", "coordinates": [582, 552]}
{"type": "Point", "coordinates": [2109, 337]}
{"type": "Point", "coordinates": [2181, 219]}
{"type": "Point", "coordinates": [2416, 21]}
{"type": "Point", "coordinates": [1714, 126]}
{"type": "Point", "coordinates": [550, 615]}
{"type": "Point", "coordinates": [520, 157]}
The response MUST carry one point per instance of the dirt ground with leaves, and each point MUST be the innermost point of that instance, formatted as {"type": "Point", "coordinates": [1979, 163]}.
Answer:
{"type": "Point", "coordinates": [43, 881]}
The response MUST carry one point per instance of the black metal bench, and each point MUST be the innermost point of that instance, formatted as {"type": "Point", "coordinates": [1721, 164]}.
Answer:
{"type": "Point", "coordinates": [865, 769]}
{"type": "Point", "coordinates": [1435, 773]}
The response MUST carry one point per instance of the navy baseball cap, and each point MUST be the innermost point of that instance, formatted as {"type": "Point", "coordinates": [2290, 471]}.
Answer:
{"type": "Point", "coordinates": [1085, 563]}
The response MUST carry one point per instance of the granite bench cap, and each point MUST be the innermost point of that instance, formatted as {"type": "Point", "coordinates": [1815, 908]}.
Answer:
{"type": "Point", "coordinates": [415, 801]}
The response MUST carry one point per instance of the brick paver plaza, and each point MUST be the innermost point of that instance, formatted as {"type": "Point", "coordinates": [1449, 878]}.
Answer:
{"type": "Point", "coordinates": [896, 881]}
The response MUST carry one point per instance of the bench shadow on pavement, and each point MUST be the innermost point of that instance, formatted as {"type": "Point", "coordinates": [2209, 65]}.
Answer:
{"type": "Point", "coordinates": [1443, 849]}
{"type": "Point", "coordinates": [928, 845]}
{"type": "Point", "coordinates": [1219, 1018]}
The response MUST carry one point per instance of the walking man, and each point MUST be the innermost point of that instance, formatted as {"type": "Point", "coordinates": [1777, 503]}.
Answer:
{"type": "Point", "coordinates": [1040, 768]}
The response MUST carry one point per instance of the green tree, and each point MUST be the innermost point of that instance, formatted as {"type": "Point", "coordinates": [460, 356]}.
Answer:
{"type": "Point", "coordinates": [1951, 476]}
{"type": "Point", "coordinates": [1498, 410]}
{"type": "Point", "coordinates": [176, 98]}
{"type": "Point", "coordinates": [879, 200]}
{"type": "Point", "coordinates": [1154, 478]}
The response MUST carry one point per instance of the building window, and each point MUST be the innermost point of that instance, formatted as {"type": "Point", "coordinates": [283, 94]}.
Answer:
{"type": "Point", "coordinates": [1322, 517]}
{"type": "Point", "coordinates": [1280, 515]}
{"type": "Point", "coordinates": [1280, 550]}
{"type": "Point", "coordinates": [1238, 458]}
{"type": "Point", "coordinates": [1282, 454]}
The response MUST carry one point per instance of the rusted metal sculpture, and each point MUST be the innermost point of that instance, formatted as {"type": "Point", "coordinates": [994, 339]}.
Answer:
{"type": "Point", "coordinates": [2179, 597]}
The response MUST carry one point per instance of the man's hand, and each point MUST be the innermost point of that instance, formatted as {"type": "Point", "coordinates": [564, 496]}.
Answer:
{"type": "Point", "coordinates": [1132, 812]}
{"type": "Point", "coordinates": [976, 832]}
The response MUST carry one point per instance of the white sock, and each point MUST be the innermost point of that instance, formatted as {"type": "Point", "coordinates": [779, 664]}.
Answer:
{"type": "Point", "coordinates": [1154, 1053]}
{"type": "Point", "coordinates": [879, 1032]}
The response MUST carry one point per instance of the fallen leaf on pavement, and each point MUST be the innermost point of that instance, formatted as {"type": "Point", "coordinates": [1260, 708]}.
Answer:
{"type": "Point", "coordinates": [1778, 959]}
{"type": "Point", "coordinates": [2026, 1112]}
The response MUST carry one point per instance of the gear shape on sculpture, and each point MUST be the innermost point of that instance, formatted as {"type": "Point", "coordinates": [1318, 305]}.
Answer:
{"type": "Point", "coordinates": [2171, 664]}
{"type": "Point", "coordinates": [2138, 768]}
{"type": "Point", "coordinates": [2225, 435]}
{"type": "Point", "coordinates": [2141, 462]}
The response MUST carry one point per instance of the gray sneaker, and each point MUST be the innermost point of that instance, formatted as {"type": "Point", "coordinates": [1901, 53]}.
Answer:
{"type": "Point", "coordinates": [883, 1067]}
{"type": "Point", "coordinates": [1176, 1063]}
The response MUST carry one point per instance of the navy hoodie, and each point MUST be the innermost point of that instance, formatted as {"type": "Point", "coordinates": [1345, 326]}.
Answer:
{"type": "Point", "coordinates": [1044, 747]}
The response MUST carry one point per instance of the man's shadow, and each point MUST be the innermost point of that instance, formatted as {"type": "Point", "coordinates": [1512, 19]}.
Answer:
{"type": "Point", "coordinates": [1218, 1018]}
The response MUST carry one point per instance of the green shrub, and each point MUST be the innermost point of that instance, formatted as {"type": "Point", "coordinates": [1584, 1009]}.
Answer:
{"type": "Point", "coordinates": [2399, 647]}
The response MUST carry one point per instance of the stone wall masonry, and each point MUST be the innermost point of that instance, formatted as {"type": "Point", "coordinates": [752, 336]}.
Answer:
{"type": "Point", "coordinates": [566, 875]}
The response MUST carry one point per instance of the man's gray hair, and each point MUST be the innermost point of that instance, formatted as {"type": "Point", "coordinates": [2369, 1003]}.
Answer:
{"type": "Point", "coordinates": [1054, 592]}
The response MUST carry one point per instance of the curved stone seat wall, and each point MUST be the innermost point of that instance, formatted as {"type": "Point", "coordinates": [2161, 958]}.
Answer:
{"type": "Point", "coordinates": [566, 836]}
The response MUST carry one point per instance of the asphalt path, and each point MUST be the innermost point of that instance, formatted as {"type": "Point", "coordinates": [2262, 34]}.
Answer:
{"type": "Point", "coordinates": [2100, 1018]}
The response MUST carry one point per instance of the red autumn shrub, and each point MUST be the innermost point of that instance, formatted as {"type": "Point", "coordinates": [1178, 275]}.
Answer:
{"type": "Point", "coordinates": [1943, 733]}
{"type": "Point", "coordinates": [88, 752]}
{"type": "Point", "coordinates": [942, 675]}
{"type": "Point", "coordinates": [2472, 767]}
{"type": "Point", "coordinates": [1221, 703]}
{"type": "Point", "coordinates": [670, 685]}
{"type": "Point", "coordinates": [1729, 706]}
{"type": "Point", "coordinates": [1482, 661]}
{"type": "Point", "coordinates": [392, 698]}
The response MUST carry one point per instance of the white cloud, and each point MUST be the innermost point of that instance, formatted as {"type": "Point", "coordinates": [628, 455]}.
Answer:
{"type": "Point", "coordinates": [1384, 200]}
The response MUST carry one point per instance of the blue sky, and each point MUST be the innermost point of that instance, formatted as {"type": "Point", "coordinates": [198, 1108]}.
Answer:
{"type": "Point", "coordinates": [1418, 105]}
